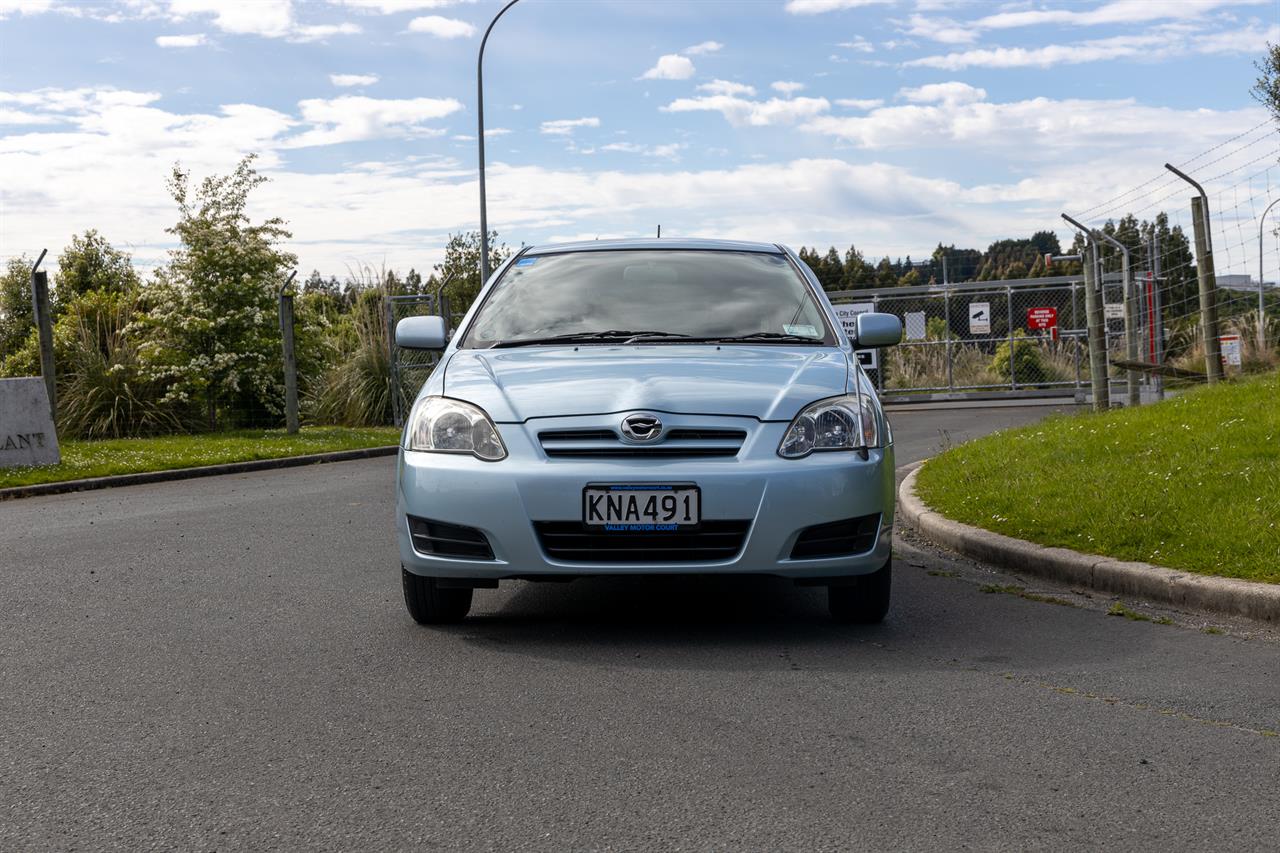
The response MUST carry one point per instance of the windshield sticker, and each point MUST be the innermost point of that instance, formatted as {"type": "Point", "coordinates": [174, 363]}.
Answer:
{"type": "Point", "coordinates": [802, 330]}
{"type": "Point", "coordinates": [526, 262]}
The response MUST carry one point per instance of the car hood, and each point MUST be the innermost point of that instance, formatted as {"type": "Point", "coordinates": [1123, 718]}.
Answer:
{"type": "Point", "coordinates": [765, 382]}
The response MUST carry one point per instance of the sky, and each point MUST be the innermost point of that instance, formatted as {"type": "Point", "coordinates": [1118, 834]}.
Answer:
{"type": "Point", "coordinates": [892, 125]}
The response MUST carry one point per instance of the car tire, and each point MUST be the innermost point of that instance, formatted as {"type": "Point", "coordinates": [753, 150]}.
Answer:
{"type": "Point", "coordinates": [863, 599]}
{"type": "Point", "coordinates": [429, 603]}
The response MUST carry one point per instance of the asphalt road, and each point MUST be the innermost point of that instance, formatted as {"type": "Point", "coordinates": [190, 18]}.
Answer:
{"type": "Point", "coordinates": [225, 664]}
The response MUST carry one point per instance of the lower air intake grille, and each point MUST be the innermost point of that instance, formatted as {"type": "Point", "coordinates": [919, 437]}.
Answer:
{"type": "Point", "coordinates": [448, 540]}
{"type": "Point", "coordinates": [574, 542]}
{"type": "Point", "coordinates": [837, 539]}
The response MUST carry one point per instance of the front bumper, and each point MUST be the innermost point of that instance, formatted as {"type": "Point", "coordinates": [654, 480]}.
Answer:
{"type": "Point", "coordinates": [780, 497]}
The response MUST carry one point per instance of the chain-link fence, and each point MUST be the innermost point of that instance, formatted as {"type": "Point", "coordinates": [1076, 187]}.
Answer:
{"type": "Point", "coordinates": [1016, 336]}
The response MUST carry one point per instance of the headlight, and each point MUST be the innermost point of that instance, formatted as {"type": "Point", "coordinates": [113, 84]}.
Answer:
{"type": "Point", "coordinates": [441, 425]}
{"type": "Point", "coordinates": [838, 423]}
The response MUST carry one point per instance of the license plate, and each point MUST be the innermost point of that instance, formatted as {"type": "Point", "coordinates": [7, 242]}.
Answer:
{"type": "Point", "coordinates": [640, 509]}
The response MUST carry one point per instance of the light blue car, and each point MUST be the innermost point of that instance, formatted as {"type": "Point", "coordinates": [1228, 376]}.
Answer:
{"type": "Point", "coordinates": [645, 407]}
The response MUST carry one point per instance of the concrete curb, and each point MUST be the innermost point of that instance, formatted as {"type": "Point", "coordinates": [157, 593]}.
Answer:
{"type": "Point", "coordinates": [1134, 580]}
{"type": "Point", "coordinates": [15, 492]}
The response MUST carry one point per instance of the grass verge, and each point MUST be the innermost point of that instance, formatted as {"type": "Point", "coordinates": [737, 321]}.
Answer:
{"type": "Point", "coordinates": [1192, 483]}
{"type": "Point", "coordinates": [81, 459]}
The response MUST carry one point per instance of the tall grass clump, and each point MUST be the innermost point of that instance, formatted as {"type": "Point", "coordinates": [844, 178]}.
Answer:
{"type": "Point", "coordinates": [104, 391]}
{"type": "Point", "coordinates": [356, 391]}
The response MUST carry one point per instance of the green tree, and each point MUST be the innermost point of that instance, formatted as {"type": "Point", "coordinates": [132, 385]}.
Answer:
{"type": "Point", "coordinates": [213, 334]}
{"type": "Point", "coordinates": [1015, 270]}
{"type": "Point", "coordinates": [461, 266]}
{"type": "Point", "coordinates": [16, 320]}
{"type": "Point", "coordinates": [886, 275]}
{"type": "Point", "coordinates": [90, 264]}
{"type": "Point", "coordinates": [1267, 88]}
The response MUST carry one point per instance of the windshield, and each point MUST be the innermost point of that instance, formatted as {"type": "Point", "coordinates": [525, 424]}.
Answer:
{"type": "Point", "coordinates": [649, 295]}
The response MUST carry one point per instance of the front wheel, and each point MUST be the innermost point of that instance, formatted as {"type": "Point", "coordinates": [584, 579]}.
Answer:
{"type": "Point", "coordinates": [863, 599]}
{"type": "Point", "coordinates": [430, 604]}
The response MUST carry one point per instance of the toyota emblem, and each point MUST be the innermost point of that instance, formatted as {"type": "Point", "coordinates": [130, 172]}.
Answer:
{"type": "Point", "coordinates": [641, 427]}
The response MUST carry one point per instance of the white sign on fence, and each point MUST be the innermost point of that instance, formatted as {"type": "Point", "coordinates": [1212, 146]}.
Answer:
{"type": "Point", "coordinates": [1230, 345]}
{"type": "Point", "coordinates": [847, 314]}
{"type": "Point", "coordinates": [917, 328]}
{"type": "Point", "coordinates": [1113, 310]}
{"type": "Point", "coordinates": [979, 318]}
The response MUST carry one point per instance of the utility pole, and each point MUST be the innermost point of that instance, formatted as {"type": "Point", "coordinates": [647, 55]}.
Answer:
{"type": "Point", "coordinates": [290, 362]}
{"type": "Point", "coordinates": [1096, 321]}
{"type": "Point", "coordinates": [484, 208]}
{"type": "Point", "coordinates": [1134, 395]}
{"type": "Point", "coordinates": [44, 323]}
{"type": "Point", "coordinates": [1208, 281]}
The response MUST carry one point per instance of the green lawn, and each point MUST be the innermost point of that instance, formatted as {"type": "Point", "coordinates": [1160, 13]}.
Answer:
{"type": "Point", "coordinates": [131, 455]}
{"type": "Point", "coordinates": [1192, 483]}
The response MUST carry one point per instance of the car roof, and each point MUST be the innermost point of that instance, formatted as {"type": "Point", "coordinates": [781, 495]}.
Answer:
{"type": "Point", "coordinates": [656, 243]}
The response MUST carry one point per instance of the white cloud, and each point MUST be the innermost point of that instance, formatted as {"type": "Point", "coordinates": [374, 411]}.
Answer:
{"type": "Point", "coordinates": [786, 87]}
{"type": "Point", "coordinates": [950, 93]}
{"type": "Point", "coordinates": [320, 32]}
{"type": "Point", "coordinates": [353, 79]}
{"type": "Point", "coordinates": [669, 151]}
{"type": "Point", "coordinates": [352, 118]}
{"type": "Point", "coordinates": [1033, 130]}
{"type": "Point", "coordinates": [942, 30]}
{"type": "Point", "coordinates": [1116, 12]}
{"type": "Point", "coordinates": [671, 66]}
{"type": "Point", "coordinates": [1097, 50]}
{"type": "Point", "coordinates": [24, 7]}
{"type": "Point", "coordinates": [266, 18]}
{"type": "Point", "coordinates": [193, 40]}
{"type": "Point", "coordinates": [1248, 40]}
{"type": "Point", "coordinates": [703, 47]}
{"type": "Point", "coordinates": [815, 7]}
{"type": "Point", "coordinates": [270, 18]}
{"type": "Point", "coordinates": [566, 126]}
{"type": "Point", "coordinates": [858, 44]}
{"type": "Point", "coordinates": [391, 7]}
{"type": "Point", "coordinates": [741, 112]}
{"type": "Point", "coordinates": [441, 27]}
{"type": "Point", "coordinates": [860, 103]}
{"type": "Point", "coordinates": [727, 87]}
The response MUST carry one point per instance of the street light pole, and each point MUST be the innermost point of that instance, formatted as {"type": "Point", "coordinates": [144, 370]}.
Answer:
{"type": "Point", "coordinates": [484, 211]}
{"type": "Point", "coordinates": [1262, 306]}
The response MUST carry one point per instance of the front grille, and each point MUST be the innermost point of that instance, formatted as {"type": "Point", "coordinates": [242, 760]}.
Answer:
{"type": "Point", "coordinates": [837, 539]}
{"type": "Point", "coordinates": [448, 540]}
{"type": "Point", "coordinates": [675, 443]}
{"type": "Point", "coordinates": [574, 542]}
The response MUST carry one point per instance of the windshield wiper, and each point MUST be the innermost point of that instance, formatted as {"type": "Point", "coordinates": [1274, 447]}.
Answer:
{"type": "Point", "coordinates": [587, 337]}
{"type": "Point", "coordinates": [770, 336]}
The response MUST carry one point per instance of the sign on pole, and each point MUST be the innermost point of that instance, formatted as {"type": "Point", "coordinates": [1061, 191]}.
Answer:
{"type": "Point", "coordinates": [979, 318]}
{"type": "Point", "coordinates": [1113, 310]}
{"type": "Point", "coordinates": [1230, 348]}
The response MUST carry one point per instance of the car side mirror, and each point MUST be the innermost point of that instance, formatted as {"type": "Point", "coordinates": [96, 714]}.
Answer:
{"type": "Point", "coordinates": [421, 333]}
{"type": "Point", "coordinates": [877, 330]}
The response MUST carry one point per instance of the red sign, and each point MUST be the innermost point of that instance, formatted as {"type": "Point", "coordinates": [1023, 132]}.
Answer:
{"type": "Point", "coordinates": [1042, 318]}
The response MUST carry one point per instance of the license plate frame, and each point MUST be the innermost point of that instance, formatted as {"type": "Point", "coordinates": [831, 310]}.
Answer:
{"type": "Point", "coordinates": [638, 494]}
